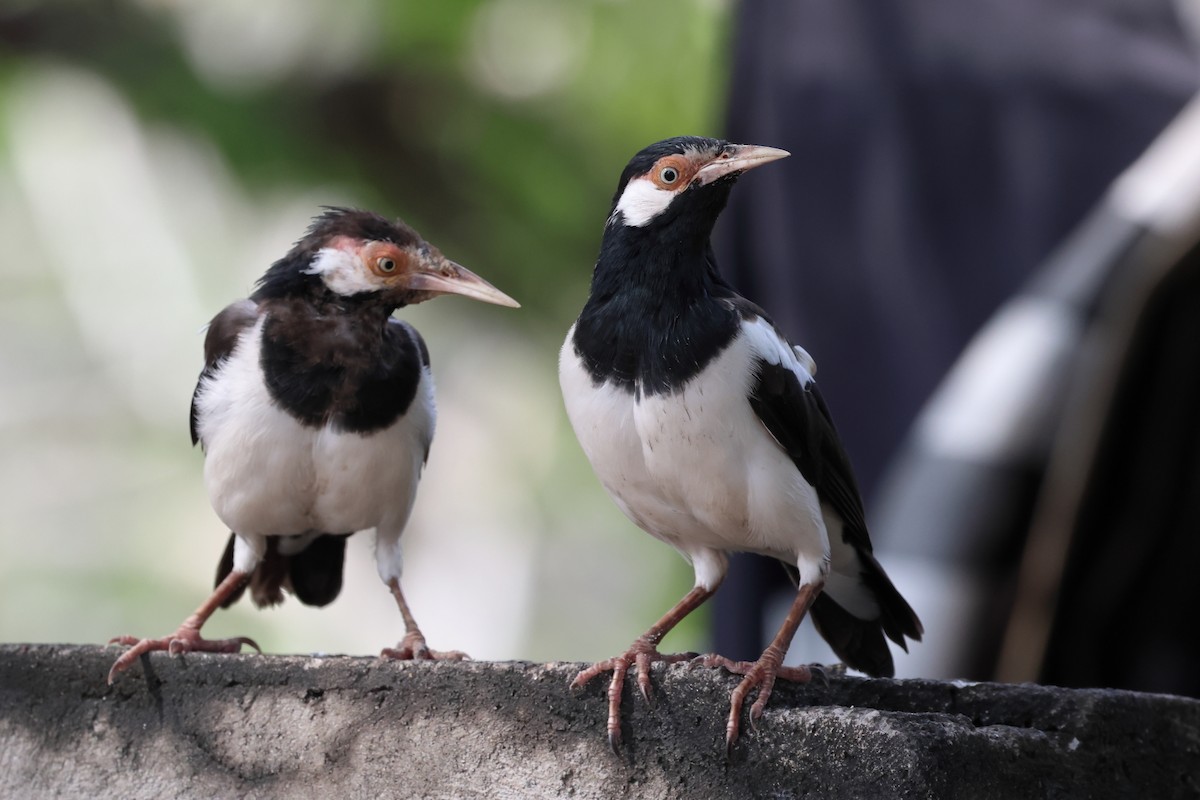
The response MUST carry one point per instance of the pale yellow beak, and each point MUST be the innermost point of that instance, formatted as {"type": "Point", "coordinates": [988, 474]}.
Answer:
{"type": "Point", "coordinates": [451, 278]}
{"type": "Point", "coordinates": [736, 159]}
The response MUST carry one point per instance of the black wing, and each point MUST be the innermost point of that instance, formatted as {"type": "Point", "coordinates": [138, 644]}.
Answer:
{"type": "Point", "coordinates": [794, 412]}
{"type": "Point", "coordinates": [796, 415]}
{"type": "Point", "coordinates": [416, 337]}
{"type": "Point", "coordinates": [223, 333]}
{"type": "Point", "coordinates": [423, 350]}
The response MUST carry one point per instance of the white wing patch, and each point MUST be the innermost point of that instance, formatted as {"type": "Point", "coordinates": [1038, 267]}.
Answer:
{"type": "Point", "coordinates": [768, 345]}
{"type": "Point", "coordinates": [805, 360]}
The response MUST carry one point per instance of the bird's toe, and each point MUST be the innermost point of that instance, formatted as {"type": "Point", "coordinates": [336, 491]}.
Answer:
{"type": "Point", "coordinates": [413, 648]}
{"type": "Point", "coordinates": [614, 741]}
{"type": "Point", "coordinates": [445, 655]}
{"type": "Point", "coordinates": [184, 640]}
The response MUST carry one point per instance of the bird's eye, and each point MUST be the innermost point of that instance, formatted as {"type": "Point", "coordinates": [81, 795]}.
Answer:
{"type": "Point", "coordinates": [668, 175]}
{"type": "Point", "coordinates": [386, 264]}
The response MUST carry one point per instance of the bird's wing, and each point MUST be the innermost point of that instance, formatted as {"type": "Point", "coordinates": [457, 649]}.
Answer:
{"type": "Point", "coordinates": [415, 337]}
{"type": "Point", "coordinates": [786, 399]}
{"type": "Point", "coordinates": [219, 341]}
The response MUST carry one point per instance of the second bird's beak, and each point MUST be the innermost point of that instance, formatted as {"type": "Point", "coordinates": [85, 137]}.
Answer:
{"type": "Point", "coordinates": [737, 158]}
{"type": "Point", "coordinates": [446, 277]}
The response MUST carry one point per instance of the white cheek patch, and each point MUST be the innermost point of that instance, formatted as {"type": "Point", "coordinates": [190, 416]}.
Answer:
{"type": "Point", "coordinates": [642, 201]}
{"type": "Point", "coordinates": [343, 272]}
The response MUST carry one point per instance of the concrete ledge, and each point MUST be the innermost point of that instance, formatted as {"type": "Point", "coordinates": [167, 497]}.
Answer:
{"type": "Point", "coordinates": [288, 726]}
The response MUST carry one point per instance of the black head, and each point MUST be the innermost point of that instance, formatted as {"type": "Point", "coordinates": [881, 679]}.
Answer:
{"type": "Point", "coordinates": [654, 315]}
{"type": "Point", "coordinates": [348, 253]}
{"type": "Point", "coordinates": [686, 177]}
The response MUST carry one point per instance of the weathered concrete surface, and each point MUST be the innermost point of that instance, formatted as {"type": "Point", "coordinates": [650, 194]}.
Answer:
{"type": "Point", "coordinates": [272, 726]}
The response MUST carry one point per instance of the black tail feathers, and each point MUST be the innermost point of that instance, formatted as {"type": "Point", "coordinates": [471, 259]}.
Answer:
{"type": "Point", "coordinates": [860, 642]}
{"type": "Point", "coordinates": [313, 575]}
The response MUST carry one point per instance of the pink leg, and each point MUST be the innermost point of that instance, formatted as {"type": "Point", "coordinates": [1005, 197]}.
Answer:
{"type": "Point", "coordinates": [187, 638]}
{"type": "Point", "coordinates": [642, 653]}
{"type": "Point", "coordinates": [412, 646]}
{"type": "Point", "coordinates": [764, 672]}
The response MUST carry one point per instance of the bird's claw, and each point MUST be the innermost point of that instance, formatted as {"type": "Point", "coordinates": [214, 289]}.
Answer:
{"type": "Point", "coordinates": [413, 648]}
{"type": "Point", "coordinates": [643, 678]}
{"type": "Point", "coordinates": [177, 646]}
{"type": "Point", "coordinates": [824, 673]}
{"type": "Point", "coordinates": [185, 640]}
{"type": "Point", "coordinates": [760, 674]}
{"type": "Point", "coordinates": [641, 654]}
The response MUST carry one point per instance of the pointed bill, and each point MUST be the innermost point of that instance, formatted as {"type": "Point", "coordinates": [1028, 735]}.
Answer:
{"type": "Point", "coordinates": [737, 158]}
{"type": "Point", "coordinates": [451, 278]}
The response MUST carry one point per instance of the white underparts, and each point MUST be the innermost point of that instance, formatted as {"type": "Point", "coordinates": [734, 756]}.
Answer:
{"type": "Point", "coordinates": [696, 468]}
{"type": "Point", "coordinates": [247, 552]}
{"type": "Point", "coordinates": [269, 475]}
{"type": "Point", "coordinates": [710, 567]}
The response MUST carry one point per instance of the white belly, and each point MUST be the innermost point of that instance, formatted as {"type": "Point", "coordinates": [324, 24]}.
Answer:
{"type": "Point", "coordinates": [268, 475]}
{"type": "Point", "coordinates": [696, 468]}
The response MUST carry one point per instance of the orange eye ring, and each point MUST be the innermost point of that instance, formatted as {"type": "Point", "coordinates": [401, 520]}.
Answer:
{"type": "Point", "coordinates": [385, 260]}
{"type": "Point", "coordinates": [672, 172]}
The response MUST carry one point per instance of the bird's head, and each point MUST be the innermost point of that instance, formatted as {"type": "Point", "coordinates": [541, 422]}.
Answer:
{"type": "Point", "coordinates": [686, 179]}
{"type": "Point", "coordinates": [356, 254]}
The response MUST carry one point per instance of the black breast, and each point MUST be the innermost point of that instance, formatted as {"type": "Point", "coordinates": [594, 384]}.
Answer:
{"type": "Point", "coordinates": [658, 311]}
{"type": "Point", "coordinates": [340, 370]}
{"type": "Point", "coordinates": [648, 343]}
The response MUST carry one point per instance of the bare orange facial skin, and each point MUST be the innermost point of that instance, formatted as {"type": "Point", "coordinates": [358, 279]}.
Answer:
{"type": "Point", "coordinates": [674, 172]}
{"type": "Point", "coordinates": [386, 260]}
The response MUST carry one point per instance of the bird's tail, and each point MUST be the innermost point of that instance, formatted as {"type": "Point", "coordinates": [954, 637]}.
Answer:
{"type": "Point", "coordinates": [859, 642]}
{"type": "Point", "coordinates": [314, 574]}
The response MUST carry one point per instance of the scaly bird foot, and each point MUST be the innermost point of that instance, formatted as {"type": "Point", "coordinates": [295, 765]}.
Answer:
{"type": "Point", "coordinates": [762, 674]}
{"type": "Point", "coordinates": [413, 648]}
{"type": "Point", "coordinates": [185, 640]}
{"type": "Point", "coordinates": [641, 653]}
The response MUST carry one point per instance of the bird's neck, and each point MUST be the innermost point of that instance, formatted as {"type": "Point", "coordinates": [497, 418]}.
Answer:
{"type": "Point", "coordinates": [365, 311]}
{"type": "Point", "coordinates": [638, 266]}
{"type": "Point", "coordinates": [329, 330]}
{"type": "Point", "coordinates": [655, 315]}
{"type": "Point", "coordinates": [329, 364]}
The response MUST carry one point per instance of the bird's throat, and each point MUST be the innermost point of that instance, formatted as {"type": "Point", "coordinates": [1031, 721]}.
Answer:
{"type": "Point", "coordinates": [354, 371]}
{"type": "Point", "coordinates": [654, 318]}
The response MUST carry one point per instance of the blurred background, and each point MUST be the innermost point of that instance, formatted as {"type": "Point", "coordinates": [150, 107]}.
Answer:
{"type": "Point", "coordinates": [156, 156]}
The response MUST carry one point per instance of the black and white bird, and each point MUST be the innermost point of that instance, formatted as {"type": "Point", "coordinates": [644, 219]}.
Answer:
{"type": "Point", "coordinates": [706, 427]}
{"type": "Point", "coordinates": [315, 409]}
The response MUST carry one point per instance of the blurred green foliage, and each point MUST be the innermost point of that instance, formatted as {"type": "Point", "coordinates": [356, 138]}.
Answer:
{"type": "Point", "coordinates": [498, 128]}
{"type": "Point", "coordinates": [515, 186]}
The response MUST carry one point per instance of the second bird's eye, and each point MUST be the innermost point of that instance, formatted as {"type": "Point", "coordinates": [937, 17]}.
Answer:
{"type": "Point", "coordinates": [386, 264]}
{"type": "Point", "coordinates": [669, 175]}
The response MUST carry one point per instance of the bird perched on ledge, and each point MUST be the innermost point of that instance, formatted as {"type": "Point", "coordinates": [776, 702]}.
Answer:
{"type": "Point", "coordinates": [315, 410]}
{"type": "Point", "coordinates": [706, 427]}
